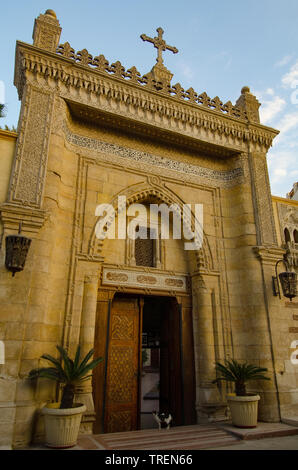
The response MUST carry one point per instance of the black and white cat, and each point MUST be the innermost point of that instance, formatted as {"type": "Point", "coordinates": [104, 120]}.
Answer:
{"type": "Point", "coordinates": [163, 419]}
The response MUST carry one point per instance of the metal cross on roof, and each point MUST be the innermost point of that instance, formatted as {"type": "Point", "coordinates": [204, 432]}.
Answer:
{"type": "Point", "coordinates": [159, 44]}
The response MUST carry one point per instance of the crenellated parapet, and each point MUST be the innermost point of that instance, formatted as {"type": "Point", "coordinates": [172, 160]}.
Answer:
{"type": "Point", "coordinates": [116, 69]}
{"type": "Point", "coordinates": [118, 94]}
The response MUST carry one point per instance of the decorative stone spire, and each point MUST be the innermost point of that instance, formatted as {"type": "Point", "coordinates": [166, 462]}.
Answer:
{"type": "Point", "coordinates": [46, 32]}
{"type": "Point", "coordinates": [249, 103]}
{"type": "Point", "coordinates": [159, 72]}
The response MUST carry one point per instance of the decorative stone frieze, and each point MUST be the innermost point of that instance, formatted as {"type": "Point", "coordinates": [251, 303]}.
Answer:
{"type": "Point", "coordinates": [114, 153]}
{"type": "Point", "coordinates": [144, 278]}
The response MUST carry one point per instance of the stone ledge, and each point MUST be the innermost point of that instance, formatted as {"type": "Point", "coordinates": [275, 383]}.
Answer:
{"type": "Point", "coordinates": [12, 215]}
{"type": "Point", "coordinates": [262, 431]}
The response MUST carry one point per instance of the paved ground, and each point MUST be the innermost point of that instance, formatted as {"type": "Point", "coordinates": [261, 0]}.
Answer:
{"type": "Point", "coordinates": [219, 436]}
{"type": "Point", "coordinates": [178, 438]}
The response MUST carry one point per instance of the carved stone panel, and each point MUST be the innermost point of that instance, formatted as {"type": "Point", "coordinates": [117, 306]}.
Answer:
{"type": "Point", "coordinates": [32, 149]}
{"type": "Point", "coordinates": [263, 201]}
{"type": "Point", "coordinates": [144, 279]}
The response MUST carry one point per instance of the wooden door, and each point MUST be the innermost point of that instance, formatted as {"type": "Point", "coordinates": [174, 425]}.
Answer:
{"type": "Point", "coordinates": [121, 410]}
{"type": "Point", "coordinates": [171, 399]}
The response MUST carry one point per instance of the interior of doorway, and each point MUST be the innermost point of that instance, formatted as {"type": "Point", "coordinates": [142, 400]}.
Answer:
{"type": "Point", "coordinates": [160, 380]}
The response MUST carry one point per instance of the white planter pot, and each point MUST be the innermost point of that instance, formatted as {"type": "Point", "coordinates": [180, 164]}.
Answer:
{"type": "Point", "coordinates": [244, 410]}
{"type": "Point", "coordinates": [62, 425]}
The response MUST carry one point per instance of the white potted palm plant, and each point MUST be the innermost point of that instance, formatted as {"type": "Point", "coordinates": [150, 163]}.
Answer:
{"type": "Point", "coordinates": [243, 405]}
{"type": "Point", "coordinates": [62, 420]}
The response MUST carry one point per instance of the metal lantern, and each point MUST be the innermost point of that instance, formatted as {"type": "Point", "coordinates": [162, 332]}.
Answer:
{"type": "Point", "coordinates": [17, 248]}
{"type": "Point", "coordinates": [288, 281]}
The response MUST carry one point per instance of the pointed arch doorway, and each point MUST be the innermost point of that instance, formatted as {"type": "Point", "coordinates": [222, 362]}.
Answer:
{"type": "Point", "coordinates": [148, 363]}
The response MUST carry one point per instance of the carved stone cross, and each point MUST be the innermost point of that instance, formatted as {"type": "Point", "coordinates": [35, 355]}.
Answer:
{"type": "Point", "coordinates": [159, 44]}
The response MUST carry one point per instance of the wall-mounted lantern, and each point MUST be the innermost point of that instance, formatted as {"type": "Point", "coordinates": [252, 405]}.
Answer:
{"type": "Point", "coordinates": [17, 248]}
{"type": "Point", "coordinates": [288, 281]}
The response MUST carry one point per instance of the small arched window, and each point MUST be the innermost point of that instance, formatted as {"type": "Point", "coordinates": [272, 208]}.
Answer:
{"type": "Point", "coordinates": [295, 234]}
{"type": "Point", "coordinates": [144, 249]}
{"type": "Point", "coordinates": [287, 235]}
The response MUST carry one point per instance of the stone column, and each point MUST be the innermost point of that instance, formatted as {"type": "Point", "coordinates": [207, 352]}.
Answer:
{"type": "Point", "coordinates": [207, 392]}
{"type": "Point", "coordinates": [86, 341]}
{"type": "Point", "coordinates": [275, 344]}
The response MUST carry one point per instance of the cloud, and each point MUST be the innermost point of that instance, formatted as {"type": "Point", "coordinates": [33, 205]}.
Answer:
{"type": "Point", "coordinates": [271, 108]}
{"type": "Point", "coordinates": [186, 70]}
{"type": "Point", "coordinates": [284, 61]}
{"type": "Point", "coordinates": [289, 78]}
{"type": "Point", "coordinates": [281, 164]}
{"type": "Point", "coordinates": [288, 122]}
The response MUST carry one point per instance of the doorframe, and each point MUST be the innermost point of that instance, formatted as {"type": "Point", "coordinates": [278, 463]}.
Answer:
{"type": "Point", "coordinates": [183, 302]}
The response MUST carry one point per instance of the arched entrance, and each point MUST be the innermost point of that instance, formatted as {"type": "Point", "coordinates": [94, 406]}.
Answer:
{"type": "Point", "coordinates": [148, 363]}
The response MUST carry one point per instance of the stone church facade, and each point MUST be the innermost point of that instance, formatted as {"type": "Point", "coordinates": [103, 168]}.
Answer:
{"type": "Point", "coordinates": [89, 132]}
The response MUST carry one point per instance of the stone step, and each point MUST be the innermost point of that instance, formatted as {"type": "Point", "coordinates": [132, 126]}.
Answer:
{"type": "Point", "coordinates": [262, 431]}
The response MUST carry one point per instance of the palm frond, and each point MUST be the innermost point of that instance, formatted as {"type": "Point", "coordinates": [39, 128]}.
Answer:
{"type": "Point", "coordinates": [85, 360]}
{"type": "Point", "coordinates": [233, 371]}
{"type": "Point", "coordinates": [83, 371]}
{"type": "Point", "coordinates": [45, 372]}
{"type": "Point", "coordinates": [77, 357]}
{"type": "Point", "coordinates": [67, 363]}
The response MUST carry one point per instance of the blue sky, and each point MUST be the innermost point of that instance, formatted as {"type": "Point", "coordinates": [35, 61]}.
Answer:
{"type": "Point", "coordinates": [223, 45]}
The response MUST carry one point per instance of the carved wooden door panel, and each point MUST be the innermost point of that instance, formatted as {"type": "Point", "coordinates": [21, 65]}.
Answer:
{"type": "Point", "coordinates": [171, 400]}
{"type": "Point", "coordinates": [123, 366]}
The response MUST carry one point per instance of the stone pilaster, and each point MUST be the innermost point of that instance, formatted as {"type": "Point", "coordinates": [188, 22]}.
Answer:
{"type": "Point", "coordinates": [104, 303]}
{"type": "Point", "coordinates": [28, 175]}
{"type": "Point", "coordinates": [274, 396]}
{"type": "Point", "coordinates": [87, 329]}
{"type": "Point", "coordinates": [204, 341]}
{"type": "Point", "coordinates": [266, 231]}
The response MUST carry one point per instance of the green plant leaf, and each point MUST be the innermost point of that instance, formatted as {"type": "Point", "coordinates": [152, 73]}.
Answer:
{"type": "Point", "coordinates": [77, 357]}
{"type": "Point", "coordinates": [67, 363]}
{"type": "Point", "coordinates": [85, 360]}
{"type": "Point", "coordinates": [233, 371]}
{"type": "Point", "coordinates": [88, 367]}
{"type": "Point", "coordinates": [45, 372]}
